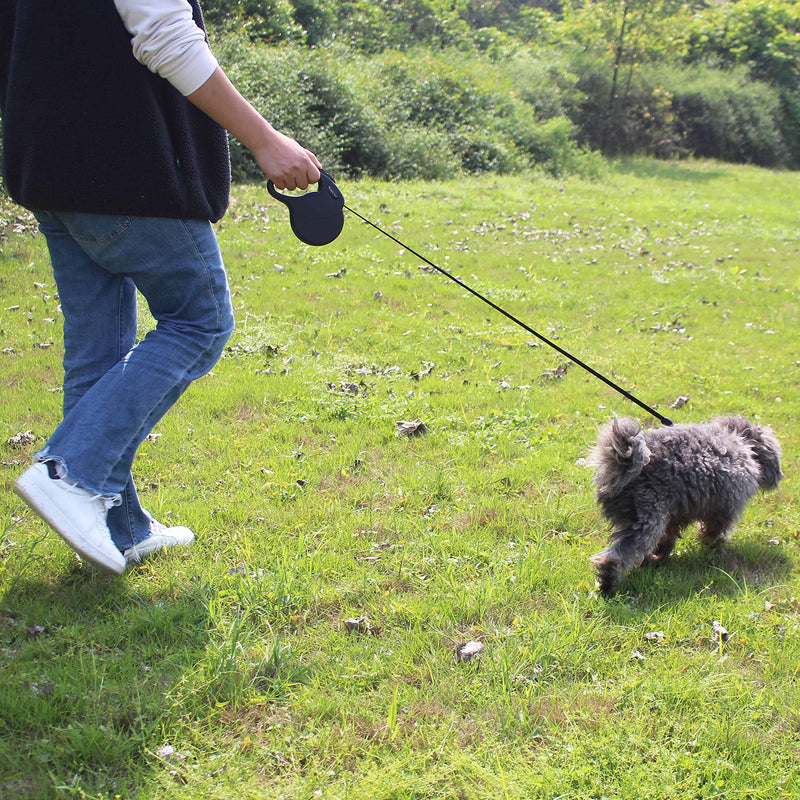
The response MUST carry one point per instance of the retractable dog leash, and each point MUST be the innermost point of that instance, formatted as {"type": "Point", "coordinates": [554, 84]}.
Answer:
{"type": "Point", "coordinates": [317, 218]}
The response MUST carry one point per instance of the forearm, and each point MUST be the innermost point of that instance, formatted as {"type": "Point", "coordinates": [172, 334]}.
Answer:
{"type": "Point", "coordinates": [220, 99]}
{"type": "Point", "coordinates": [289, 164]}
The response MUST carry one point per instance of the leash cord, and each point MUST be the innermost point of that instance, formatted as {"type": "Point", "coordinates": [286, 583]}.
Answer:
{"type": "Point", "coordinates": [660, 417]}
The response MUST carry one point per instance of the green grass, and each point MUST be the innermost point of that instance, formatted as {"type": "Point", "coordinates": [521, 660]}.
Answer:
{"type": "Point", "coordinates": [227, 670]}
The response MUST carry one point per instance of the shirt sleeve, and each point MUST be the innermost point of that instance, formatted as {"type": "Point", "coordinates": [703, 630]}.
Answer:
{"type": "Point", "coordinates": [167, 41]}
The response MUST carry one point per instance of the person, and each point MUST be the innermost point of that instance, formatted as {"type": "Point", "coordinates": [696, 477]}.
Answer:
{"type": "Point", "coordinates": [114, 134]}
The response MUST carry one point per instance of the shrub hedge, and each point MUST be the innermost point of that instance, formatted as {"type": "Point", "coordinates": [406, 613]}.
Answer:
{"type": "Point", "coordinates": [430, 113]}
{"type": "Point", "coordinates": [489, 104]}
{"type": "Point", "coordinates": [406, 115]}
{"type": "Point", "coordinates": [697, 110]}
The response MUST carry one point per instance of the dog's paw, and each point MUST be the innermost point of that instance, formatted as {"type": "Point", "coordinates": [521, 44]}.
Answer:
{"type": "Point", "coordinates": [609, 575]}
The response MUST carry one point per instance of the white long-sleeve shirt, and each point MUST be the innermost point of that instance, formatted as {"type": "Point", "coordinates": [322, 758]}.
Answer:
{"type": "Point", "coordinates": [167, 41]}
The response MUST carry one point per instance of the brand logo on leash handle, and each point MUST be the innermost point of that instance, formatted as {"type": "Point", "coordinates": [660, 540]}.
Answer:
{"type": "Point", "coordinates": [319, 220]}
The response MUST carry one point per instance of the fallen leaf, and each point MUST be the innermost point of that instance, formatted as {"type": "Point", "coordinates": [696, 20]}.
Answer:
{"type": "Point", "coordinates": [361, 625]}
{"type": "Point", "coordinates": [44, 689]}
{"type": "Point", "coordinates": [556, 374]}
{"type": "Point", "coordinates": [242, 569]}
{"type": "Point", "coordinates": [411, 428]}
{"type": "Point", "coordinates": [20, 440]}
{"type": "Point", "coordinates": [470, 650]}
{"type": "Point", "coordinates": [424, 371]}
{"type": "Point", "coordinates": [167, 752]}
{"type": "Point", "coordinates": [720, 633]}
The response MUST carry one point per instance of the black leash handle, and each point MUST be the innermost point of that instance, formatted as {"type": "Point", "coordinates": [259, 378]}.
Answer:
{"type": "Point", "coordinates": [316, 217]}
{"type": "Point", "coordinates": [660, 417]}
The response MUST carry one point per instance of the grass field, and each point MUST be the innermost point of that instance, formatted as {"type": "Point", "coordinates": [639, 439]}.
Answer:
{"type": "Point", "coordinates": [307, 645]}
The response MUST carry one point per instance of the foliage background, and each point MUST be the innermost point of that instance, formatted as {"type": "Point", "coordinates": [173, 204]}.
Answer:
{"type": "Point", "coordinates": [426, 88]}
{"type": "Point", "coordinates": [432, 88]}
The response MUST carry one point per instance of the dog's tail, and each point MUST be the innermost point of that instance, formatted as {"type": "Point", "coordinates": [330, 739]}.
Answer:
{"type": "Point", "coordinates": [618, 457]}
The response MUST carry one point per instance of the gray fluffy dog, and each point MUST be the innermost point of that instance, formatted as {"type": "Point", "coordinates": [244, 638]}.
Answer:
{"type": "Point", "coordinates": [651, 484]}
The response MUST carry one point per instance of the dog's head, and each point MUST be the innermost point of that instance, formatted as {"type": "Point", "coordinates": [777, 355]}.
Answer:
{"type": "Point", "coordinates": [766, 449]}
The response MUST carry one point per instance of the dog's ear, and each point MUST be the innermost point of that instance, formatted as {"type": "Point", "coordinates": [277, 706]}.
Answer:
{"type": "Point", "coordinates": [625, 438]}
{"type": "Point", "coordinates": [740, 425]}
{"type": "Point", "coordinates": [619, 456]}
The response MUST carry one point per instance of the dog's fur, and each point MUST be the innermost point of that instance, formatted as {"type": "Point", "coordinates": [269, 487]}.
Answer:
{"type": "Point", "coordinates": [651, 484]}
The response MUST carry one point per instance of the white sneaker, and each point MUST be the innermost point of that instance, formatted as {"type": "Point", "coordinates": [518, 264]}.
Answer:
{"type": "Point", "coordinates": [77, 515]}
{"type": "Point", "coordinates": [161, 538]}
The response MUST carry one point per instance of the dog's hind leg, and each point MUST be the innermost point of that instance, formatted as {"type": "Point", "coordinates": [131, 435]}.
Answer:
{"type": "Point", "coordinates": [715, 529]}
{"type": "Point", "coordinates": [667, 544]}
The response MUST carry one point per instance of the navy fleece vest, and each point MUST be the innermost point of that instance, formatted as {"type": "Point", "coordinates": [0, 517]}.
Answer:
{"type": "Point", "coordinates": [87, 128]}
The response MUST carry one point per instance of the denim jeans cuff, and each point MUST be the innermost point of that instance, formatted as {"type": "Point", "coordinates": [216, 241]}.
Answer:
{"type": "Point", "coordinates": [63, 473]}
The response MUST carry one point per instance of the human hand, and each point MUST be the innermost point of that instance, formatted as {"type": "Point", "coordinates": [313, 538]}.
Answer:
{"type": "Point", "coordinates": [288, 164]}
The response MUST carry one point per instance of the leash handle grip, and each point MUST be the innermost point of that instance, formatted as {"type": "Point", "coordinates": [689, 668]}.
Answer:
{"type": "Point", "coordinates": [324, 180]}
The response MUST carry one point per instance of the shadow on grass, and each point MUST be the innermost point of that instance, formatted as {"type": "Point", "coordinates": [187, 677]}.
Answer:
{"type": "Point", "coordinates": [741, 568]}
{"type": "Point", "coordinates": [88, 666]}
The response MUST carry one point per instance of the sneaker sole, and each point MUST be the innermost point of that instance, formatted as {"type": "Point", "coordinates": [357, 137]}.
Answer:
{"type": "Point", "coordinates": [30, 493]}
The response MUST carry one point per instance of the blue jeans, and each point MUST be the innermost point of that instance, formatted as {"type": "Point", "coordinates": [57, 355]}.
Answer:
{"type": "Point", "coordinates": [116, 390]}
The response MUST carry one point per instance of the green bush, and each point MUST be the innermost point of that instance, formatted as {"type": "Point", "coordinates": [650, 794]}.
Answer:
{"type": "Point", "coordinates": [729, 116]}
{"type": "Point", "coordinates": [790, 122]}
{"type": "Point", "coordinates": [405, 115]}
{"type": "Point", "coordinates": [470, 103]}
{"type": "Point", "coordinates": [545, 79]}
{"type": "Point", "coordinates": [699, 110]}
{"type": "Point", "coordinates": [488, 151]}
{"type": "Point", "coordinates": [552, 147]}
{"type": "Point", "coordinates": [264, 20]}
{"type": "Point", "coordinates": [631, 119]}
{"type": "Point", "coordinates": [419, 153]}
